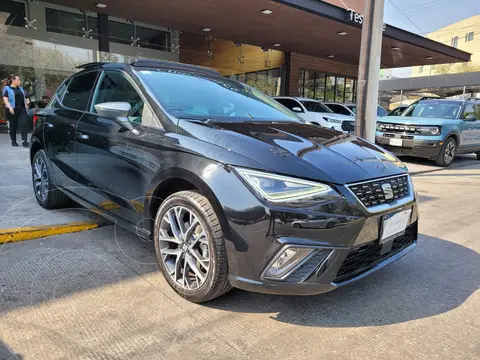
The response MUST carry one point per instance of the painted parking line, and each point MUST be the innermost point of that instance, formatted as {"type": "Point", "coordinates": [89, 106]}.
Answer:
{"type": "Point", "coordinates": [35, 232]}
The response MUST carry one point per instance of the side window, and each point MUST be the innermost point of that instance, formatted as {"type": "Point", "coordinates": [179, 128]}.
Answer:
{"type": "Point", "coordinates": [477, 111]}
{"type": "Point", "coordinates": [79, 90]}
{"type": "Point", "coordinates": [289, 103]}
{"type": "Point", "coordinates": [339, 109]}
{"type": "Point", "coordinates": [469, 110]}
{"type": "Point", "coordinates": [114, 87]}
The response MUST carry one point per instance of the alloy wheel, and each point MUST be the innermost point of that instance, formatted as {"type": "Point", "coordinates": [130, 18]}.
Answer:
{"type": "Point", "coordinates": [184, 248]}
{"type": "Point", "coordinates": [40, 178]}
{"type": "Point", "coordinates": [449, 152]}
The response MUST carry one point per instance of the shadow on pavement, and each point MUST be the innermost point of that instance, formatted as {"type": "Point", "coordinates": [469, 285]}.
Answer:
{"type": "Point", "coordinates": [436, 277]}
{"type": "Point", "coordinates": [7, 354]}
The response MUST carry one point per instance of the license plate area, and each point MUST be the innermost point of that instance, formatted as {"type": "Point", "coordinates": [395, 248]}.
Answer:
{"type": "Point", "coordinates": [396, 142]}
{"type": "Point", "coordinates": [394, 225]}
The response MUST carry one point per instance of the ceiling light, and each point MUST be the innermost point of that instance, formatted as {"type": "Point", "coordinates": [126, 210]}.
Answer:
{"type": "Point", "coordinates": [395, 48]}
{"type": "Point", "coordinates": [429, 57]}
{"type": "Point", "coordinates": [342, 33]}
{"type": "Point", "coordinates": [206, 29]}
{"type": "Point", "coordinates": [276, 44]}
{"type": "Point", "coordinates": [101, 6]}
{"type": "Point", "coordinates": [267, 12]}
{"type": "Point", "coordinates": [331, 56]}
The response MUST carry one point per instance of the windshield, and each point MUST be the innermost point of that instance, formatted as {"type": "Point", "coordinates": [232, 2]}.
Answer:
{"type": "Point", "coordinates": [315, 106]}
{"type": "Point", "coordinates": [353, 108]}
{"type": "Point", "coordinates": [204, 97]}
{"type": "Point", "coordinates": [434, 109]}
{"type": "Point", "coordinates": [381, 111]}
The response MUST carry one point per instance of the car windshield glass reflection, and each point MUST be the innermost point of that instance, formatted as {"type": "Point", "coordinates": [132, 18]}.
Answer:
{"type": "Point", "coordinates": [315, 106]}
{"type": "Point", "coordinates": [203, 97]}
{"type": "Point", "coordinates": [434, 109]}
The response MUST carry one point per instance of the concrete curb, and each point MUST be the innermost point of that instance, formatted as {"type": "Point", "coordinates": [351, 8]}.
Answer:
{"type": "Point", "coordinates": [35, 232]}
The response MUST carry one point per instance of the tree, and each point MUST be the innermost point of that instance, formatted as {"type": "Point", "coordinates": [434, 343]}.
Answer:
{"type": "Point", "coordinates": [456, 68]}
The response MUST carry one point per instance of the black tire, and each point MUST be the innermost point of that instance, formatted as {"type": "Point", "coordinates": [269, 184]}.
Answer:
{"type": "Point", "coordinates": [445, 157]}
{"type": "Point", "coordinates": [52, 198]}
{"type": "Point", "coordinates": [216, 281]}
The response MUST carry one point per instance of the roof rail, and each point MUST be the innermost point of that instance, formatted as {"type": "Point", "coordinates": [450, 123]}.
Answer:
{"type": "Point", "coordinates": [84, 66]}
{"type": "Point", "coordinates": [171, 65]}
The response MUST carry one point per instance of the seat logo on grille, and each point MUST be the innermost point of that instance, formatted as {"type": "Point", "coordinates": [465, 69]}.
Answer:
{"type": "Point", "coordinates": [387, 191]}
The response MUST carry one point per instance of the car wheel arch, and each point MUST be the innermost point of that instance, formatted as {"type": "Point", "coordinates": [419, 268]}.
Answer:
{"type": "Point", "coordinates": [34, 148]}
{"type": "Point", "coordinates": [175, 180]}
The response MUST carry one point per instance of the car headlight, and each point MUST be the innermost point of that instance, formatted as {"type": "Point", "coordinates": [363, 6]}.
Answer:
{"type": "Point", "coordinates": [277, 188]}
{"type": "Point", "coordinates": [429, 130]}
{"type": "Point", "coordinates": [335, 121]}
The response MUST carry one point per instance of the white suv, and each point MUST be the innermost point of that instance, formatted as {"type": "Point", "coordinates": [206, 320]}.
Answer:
{"type": "Point", "coordinates": [314, 112]}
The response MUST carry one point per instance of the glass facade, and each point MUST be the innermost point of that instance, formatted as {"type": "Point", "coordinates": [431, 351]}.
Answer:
{"type": "Point", "coordinates": [257, 67]}
{"type": "Point", "coordinates": [326, 87]}
{"type": "Point", "coordinates": [47, 48]}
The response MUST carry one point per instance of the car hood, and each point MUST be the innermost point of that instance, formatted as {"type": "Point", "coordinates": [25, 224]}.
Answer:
{"type": "Point", "coordinates": [299, 150]}
{"type": "Point", "coordinates": [336, 116]}
{"type": "Point", "coordinates": [412, 120]}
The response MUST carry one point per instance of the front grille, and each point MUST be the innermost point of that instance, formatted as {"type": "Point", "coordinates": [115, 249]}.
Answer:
{"type": "Point", "coordinates": [396, 128]}
{"type": "Point", "coordinates": [371, 193]}
{"type": "Point", "coordinates": [348, 126]}
{"type": "Point", "coordinates": [363, 258]}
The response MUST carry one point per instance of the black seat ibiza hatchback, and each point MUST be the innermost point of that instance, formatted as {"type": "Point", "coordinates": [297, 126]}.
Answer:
{"type": "Point", "coordinates": [233, 188]}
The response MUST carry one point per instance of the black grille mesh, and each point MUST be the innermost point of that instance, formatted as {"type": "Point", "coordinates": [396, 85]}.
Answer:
{"type": "Point", "coordinates": [348, 126]}
{"type": "Point", "coordinates": [371, 193]}
{"type": "Point", "coordinates": [365, 257]}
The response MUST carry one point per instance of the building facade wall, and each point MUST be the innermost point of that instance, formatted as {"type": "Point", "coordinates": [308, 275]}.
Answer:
{"type": "Point", "coordinates": [299, 62]}
{"type": "Point", "coordinates": [462, 32]}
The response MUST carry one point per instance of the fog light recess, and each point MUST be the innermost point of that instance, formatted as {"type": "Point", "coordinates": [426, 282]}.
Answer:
{"type": "Point", "coordinates": [286, 261]}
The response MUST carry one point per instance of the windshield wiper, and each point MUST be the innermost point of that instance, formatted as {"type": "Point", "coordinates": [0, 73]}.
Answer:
{"type": "Point", "coordinates": [198, 118]}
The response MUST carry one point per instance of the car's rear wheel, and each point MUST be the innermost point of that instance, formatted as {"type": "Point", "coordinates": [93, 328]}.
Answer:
{"type": "Point", "coordinates": [447, 153]}
{"type": "Point", "coordinates": [190, 247]}
{"type": "Point", "coordinates": [46, 193]}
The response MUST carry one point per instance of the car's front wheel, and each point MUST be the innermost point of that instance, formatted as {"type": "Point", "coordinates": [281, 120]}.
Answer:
{"type": "Point", "coordinates": [46, 193]}
{"type": "Point", "coordinates": [190, 247]}
{"type": "Point", "coordinates": [447, 153]}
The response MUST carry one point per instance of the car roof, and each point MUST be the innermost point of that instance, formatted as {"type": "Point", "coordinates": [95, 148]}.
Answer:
{"type": "Point", "coordinates": [295, 98]}
{"type": "Point", "coordinates": [152, 64]}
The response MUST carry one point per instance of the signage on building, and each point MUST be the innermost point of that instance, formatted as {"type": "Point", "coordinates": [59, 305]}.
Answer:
{"type": "Point", "coordinates": [357, 18]}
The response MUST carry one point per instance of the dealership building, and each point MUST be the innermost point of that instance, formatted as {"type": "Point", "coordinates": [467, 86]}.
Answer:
{"type": "Point", "coordinates": [306, 48]}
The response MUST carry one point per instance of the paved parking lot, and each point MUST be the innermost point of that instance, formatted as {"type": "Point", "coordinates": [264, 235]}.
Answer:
{"type": "Point", "coordinates": [98, 295]}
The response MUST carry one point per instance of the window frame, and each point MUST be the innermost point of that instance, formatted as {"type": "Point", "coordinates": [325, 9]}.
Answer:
{"type": "Point", "coordinates": [126, 75]}
{"type": "Point", "coordinates": [91, 92]}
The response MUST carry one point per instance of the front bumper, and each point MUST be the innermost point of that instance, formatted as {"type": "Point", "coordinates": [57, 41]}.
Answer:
{"type": "Point", "coordinates": [427, 147]}
{"type": "Point", "coordinates": [344, 234]}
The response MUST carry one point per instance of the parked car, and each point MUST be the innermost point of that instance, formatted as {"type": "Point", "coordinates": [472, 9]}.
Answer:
{"type": "Point", "coordinates": [233, 188]}
{"type": "Point", "coordinates": [315, 112]}
{"type": "Point", "coordinates": [339, 108]}
{"type": "Point", "coordinates": [351, 109]}
{"type": "Point", "coordinates": [435, 129]}
{"type": "Point", "coordinates": [398, 110]}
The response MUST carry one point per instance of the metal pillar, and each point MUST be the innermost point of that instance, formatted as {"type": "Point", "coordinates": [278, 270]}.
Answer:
{"type": "Point", "coordinates": [369, 69]}
{"type": "Point", "coordinates": [401, 97]}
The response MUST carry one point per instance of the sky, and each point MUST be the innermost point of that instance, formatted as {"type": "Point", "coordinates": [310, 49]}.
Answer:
{"type": "Point", "coordinates": [425, 16]}
{"type": "Point", "coordinates": [428, 15]}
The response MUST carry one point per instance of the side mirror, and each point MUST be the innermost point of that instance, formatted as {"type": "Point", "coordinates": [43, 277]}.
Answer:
{"type": "Point", "coordinates": [297, 109]}
{"type": "Point", "coordinates": [117, 111]}
{"type": "Point", "coordinates": [470, 117]}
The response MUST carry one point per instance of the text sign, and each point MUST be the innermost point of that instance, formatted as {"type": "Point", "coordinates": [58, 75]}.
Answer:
{"type": "Point", "coordinates": [358, 18]}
